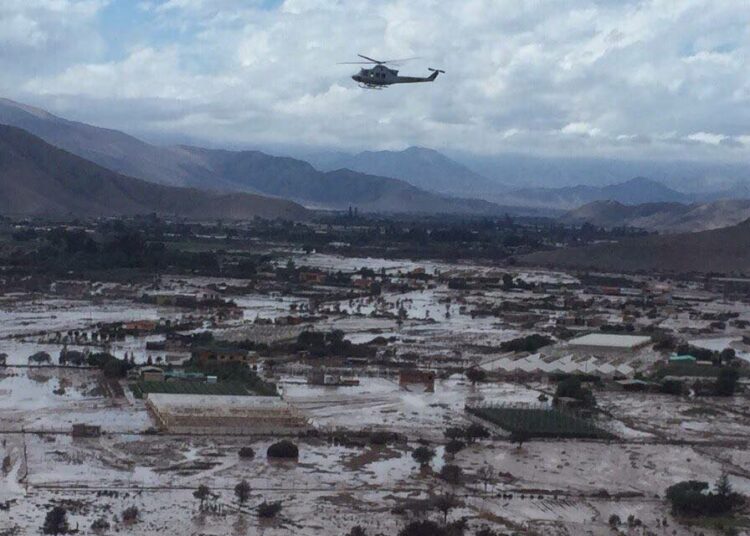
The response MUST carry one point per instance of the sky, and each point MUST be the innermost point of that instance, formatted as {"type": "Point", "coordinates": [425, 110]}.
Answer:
{"type": "Point", "coordinates": [629, 79]}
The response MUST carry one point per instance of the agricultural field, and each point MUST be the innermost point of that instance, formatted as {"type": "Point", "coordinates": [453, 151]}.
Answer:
{"type": "Point", "coordinates": [530, 422]}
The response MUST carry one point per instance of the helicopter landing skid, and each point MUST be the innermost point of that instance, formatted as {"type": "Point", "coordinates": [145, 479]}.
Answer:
{"type": "Point", "coordinates": [372, 86]}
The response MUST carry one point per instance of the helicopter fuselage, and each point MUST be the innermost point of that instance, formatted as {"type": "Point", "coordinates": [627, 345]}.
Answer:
{"type": "Point", "coordinates": [381, 76]}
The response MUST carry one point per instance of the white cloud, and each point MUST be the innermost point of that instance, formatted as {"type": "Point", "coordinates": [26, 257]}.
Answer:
{"type": "Point", "coordinates": [586, 76]}
{"type": "Point", "coordinates": [707, 137]}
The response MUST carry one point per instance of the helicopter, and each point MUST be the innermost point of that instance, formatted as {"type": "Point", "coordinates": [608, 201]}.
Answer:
{"type": "Point", "coordinates": [380, 76]}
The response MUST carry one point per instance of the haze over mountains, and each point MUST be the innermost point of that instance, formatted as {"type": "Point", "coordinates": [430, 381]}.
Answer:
{"type": "Point", "coordinates": [37, 179]}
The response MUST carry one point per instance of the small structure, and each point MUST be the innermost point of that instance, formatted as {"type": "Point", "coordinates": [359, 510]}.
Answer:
{"type": "Point", "coordinates": [3, 360]}
{"type": "Point", "coordinates": [86, 430]}
{"type": "Point", "coordinates": [151, 374]}
{"type": "Point", "coordinates": [321, 377]}
{"type": "Point", "coordinates": [224, 414]}
{"type": "Point", "coordinates": [223, 354]}
{"type": "Point", "coordinates": [312, 278]}
{"type": "Point", "coordinates": [414, 376]}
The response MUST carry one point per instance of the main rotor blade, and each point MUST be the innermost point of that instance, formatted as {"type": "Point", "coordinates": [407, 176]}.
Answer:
{"type": "Point", "coordinates": [402, 59]}
{"type": "Point", "coordinates": [354, 63]}
{"type": "Point", "coordinates": [370, 59]}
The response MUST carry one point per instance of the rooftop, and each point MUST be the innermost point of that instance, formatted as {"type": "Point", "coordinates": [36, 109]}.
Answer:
{"type": "Point", "coordinates": [607, 340]}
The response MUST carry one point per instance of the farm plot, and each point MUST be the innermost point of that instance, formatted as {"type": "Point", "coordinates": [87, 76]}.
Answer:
{"type": "Point", "coordinates": [538, 422]}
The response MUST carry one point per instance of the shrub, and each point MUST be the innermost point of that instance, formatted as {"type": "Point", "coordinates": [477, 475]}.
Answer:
{"type": "Point", "coordinates": [380, 438]}
{"type": "Point", "coordinates": [56, 521]}
{"type": "Point", "coordinates": [283, 449]}
{"type": "Point", "coordinates": [268, 510]}
{"type": "Point", "coordinates": [422, 528]}
{"type": "Point", "coordinates": [130, 514]}
{"type": "Point", "coordinates": [247, 453]}
{"type": "Point", "coordinates": [454, 446]}
{"type": "Point", "coordinates": [100, 524]}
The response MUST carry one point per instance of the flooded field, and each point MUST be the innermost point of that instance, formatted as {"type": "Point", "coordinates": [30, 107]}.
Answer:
{"type": "Point", "coordinates": [400, 383]}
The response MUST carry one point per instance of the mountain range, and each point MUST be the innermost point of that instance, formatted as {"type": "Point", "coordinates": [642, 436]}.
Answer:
{"type": "Point", "coordinates": [424, 168]}
{"type": "Point", "coordinates": [38, 179]}
{"type": "Point", "coordinates": [245, 171]}
{"type": "Point", "coordinates": [707, 178]}
{"type": "Point", "coordinates": [631, 192]}
{"type": "Point", "coordinates": [725, 250]}
{"type": "Point", "coordinates": [415, 180]}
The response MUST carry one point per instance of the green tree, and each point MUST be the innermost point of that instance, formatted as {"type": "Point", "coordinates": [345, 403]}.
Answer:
{"type": "Point", "coordinates": [454, 446]}
{"type": "Point", "coordinates": [423, 455]}
{"type": "Point", "coordinates": [202, 493]}
{"type": "Point", "coordinates": [445, 503]}
{"type": "Point", "coordinates": [452, 474]}
{"type": "Point", "coordinates": [475, 375]}
{"type": "Point", "coordinates": [242, 492]}
{"type": "Point", "coordinates": [572, 387]}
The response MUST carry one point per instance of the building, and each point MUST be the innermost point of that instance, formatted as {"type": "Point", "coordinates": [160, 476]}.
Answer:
{"type": "Point", "coordinates": [223, 354]}
{"type": "Point", "coordinates": [220, 414]}
{"type": "Point", "coordinates": [608, 343]}
{"type": "Point", "coordinates": [151, 374]}
{"type": "Point", "coordinates": [312, 278]}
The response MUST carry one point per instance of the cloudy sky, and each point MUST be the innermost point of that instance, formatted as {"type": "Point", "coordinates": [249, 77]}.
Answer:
{"type": "Point", "coordinates": [654, 79]}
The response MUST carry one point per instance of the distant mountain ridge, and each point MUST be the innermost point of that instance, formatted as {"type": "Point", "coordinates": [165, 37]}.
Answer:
{"type": "Point", "coordinates": [517, 170]}
{"type": "Point", "coordinates": [635, 191]}
{"type": "Point", "coordinates": [421, 167]}
{"type": "Point", "coordinates": [662, 217]}
{"type": "Point", "coordinates": [247, 171]}
{"type": "Point", "coordinates": [725, 250]}
{"type": "Point", "coordinates": [37, 179]}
